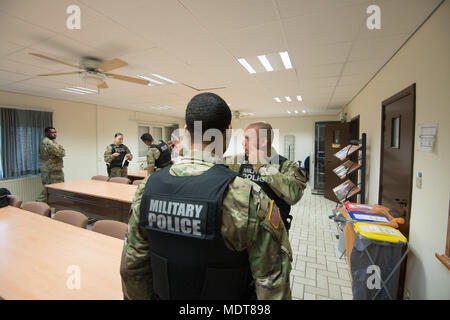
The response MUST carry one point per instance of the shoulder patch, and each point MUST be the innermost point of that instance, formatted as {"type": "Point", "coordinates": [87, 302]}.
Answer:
{"type": "Point", "coordinates": [274, 215]}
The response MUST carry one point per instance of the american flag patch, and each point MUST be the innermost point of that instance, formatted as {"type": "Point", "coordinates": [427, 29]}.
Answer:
{"type": "Point", "coordinates": [274, 215]}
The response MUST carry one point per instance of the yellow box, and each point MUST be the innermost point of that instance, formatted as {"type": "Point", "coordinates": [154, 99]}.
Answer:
{"type": "Point", "coordinates": [379, 232]}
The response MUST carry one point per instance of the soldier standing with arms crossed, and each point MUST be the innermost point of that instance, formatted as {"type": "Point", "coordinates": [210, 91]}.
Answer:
{"type": "Point", "coordinates": [197, 230]}
{"type": "Point", "coordinates": [51, 156]}
{"type": "Point", "coordinates": [115, 155]}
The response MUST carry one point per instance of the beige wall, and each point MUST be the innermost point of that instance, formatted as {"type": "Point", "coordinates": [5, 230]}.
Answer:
{"type": "Point", "coordinates": [424, 60]}
{"type": "Point", "coordinates": [86, 129]}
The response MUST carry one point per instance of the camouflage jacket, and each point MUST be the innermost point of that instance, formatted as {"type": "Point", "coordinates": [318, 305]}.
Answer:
{"type": "Point", "coordinates": [246, 226]}
{"type": "Point", "coordinates": [288, 182]}
{"type": "Point", "coordinates": [152, 155]}
{"type": "Point", "coordinates": [50, 156]}
{"type": "Point", "coordinates": [108, 155]}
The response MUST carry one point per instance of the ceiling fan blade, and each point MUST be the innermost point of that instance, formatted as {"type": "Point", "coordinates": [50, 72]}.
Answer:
{"type": "Point", "coordinates": [53, 59]}
{"type": "Point", "coordinates": [58, 74]}
{"type": "Point", "coordinates": [111, 65]}
{"type": "Point", "coordinates": [125, 78]}
{"type": "Point", "coordinates": [103, 85]}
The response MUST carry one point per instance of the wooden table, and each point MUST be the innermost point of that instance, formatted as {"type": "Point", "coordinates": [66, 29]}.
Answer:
{"type": "Point", "coordinates": [137, 175]}
{"type": "Point", "coordinates": [96, 199]}
{"type": "Point", "coordinates": [37, 254]}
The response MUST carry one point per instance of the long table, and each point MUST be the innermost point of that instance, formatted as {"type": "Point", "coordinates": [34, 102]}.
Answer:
{"type": "Point", "coordinates": [137, 175]}
{"type": "Point", "coordinates": [41, 258]}
{"type": "Point", "coordinates": [96, 199]}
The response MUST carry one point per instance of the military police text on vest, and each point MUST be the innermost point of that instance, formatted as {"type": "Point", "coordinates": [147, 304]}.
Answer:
{"type": "Point", "coordinates": [175, 216]}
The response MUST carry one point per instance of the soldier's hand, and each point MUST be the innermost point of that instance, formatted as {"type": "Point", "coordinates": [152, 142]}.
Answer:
{"type": "Point", "coordinates": [128, 156]}
{"type": "Point", "coordinates": [116, 154]}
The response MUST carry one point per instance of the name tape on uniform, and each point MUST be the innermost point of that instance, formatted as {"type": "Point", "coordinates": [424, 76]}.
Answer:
{"type": "Point", "coordinates": [178, 217]}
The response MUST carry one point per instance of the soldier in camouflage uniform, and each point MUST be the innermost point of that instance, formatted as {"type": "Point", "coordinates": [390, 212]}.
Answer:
{"type": "Point", "coordinates": [158, 155]}
{"type": "Point", "coordinates": [281, 179]}
{"type": "Point", "coordinates": [114, 156]}
{"type": "Point", "coordinates": [250, 224]}
{"type": "Point", "coordinates": [51, 156]}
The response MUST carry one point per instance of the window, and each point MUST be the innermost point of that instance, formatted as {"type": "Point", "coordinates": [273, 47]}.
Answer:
{"type": "Point", "coordinates": [289, 147]}
{"type": "Point", "coordinates": [21, 134]}
{"type": "Point", "coordinates": [395, 134]}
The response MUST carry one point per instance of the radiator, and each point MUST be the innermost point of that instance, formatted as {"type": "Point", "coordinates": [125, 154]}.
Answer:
{"type": "Point", "coordinates": [27, 188]}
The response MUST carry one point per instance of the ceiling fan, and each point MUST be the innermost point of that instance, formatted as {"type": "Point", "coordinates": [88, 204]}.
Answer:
{"type": "Point", "coordinates": [94, 68]}
{"type": "Point", "coordinates": [238, 114]}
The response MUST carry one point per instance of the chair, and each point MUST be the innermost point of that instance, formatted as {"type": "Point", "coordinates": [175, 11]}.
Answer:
{"type": "Point", "coordinates": [120, 180]}
{"type": "Point", "coordinates": [72, 217]}
{"type": "Point", "coordinates": [137, 182]}
{"type": "Point", "coordinates": [14, 201]}
{"type": "Point", "coordinates": [37, 207]}
{"type": "Point", "coordinates": [100, 178]}
{"type": "Point", "coordinates": [111, 228]}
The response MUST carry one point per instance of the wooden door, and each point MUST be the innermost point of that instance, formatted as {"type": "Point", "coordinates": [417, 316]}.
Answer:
{"type": "Point", "coordinates": [337, 136]}
{"type": "Point", "coordinates": [396, 163]}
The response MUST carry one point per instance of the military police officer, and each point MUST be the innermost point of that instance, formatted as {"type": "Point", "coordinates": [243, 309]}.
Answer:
{"type": "Point", "coordinates": [199, 231]}
{"type": "Point", "coordinates": [51, 156]}
{"type": "Point", "coordinates": [158, 155]}
{"type": "Point", "coordinates": [117, 157]}
{"type": "Point", "coordinates": [281, 179]}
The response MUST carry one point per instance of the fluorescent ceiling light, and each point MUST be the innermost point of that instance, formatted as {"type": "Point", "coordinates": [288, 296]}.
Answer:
{"type": "Point", "coordinates": [288, 99]}
{"type": "Point", "coordinates": [286, 61]}
{"type": "Point", "coordinates": [86, 89]}
{"type": "Point", "coordinates": [150, 79]}
{"type": "Point", "coordinates": [304, 111]}
{"type": "Point", "coordinates": [299, 98]}
{"type": "Point", "coordinates": [296, 111]}
{"type": "Point", "coordinates": [162, 78]}
{"type": "Point", "coordinates": [277, 99]}
{"type": "Point", "coordinates": [67, 90]}
{"type": "Point", "coordinates": [289, 112]}
{"type": "Point", "coordinates": [245, 64]}
{"type": "Point", "coordinates": [265, 62]}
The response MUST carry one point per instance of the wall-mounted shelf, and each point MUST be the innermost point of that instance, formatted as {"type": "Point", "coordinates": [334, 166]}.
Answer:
{"type": "Point", "coordinates": [348, 189]}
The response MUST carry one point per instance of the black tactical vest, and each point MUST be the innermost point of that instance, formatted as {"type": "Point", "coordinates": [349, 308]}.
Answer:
{"type": "Point", "coordinates": [183, 218]}
{"type": "Point", "coordinates": [117, 161]}
{"type": "Point", "coordinates": [246, 171]}
{"type": "Point", "coordinates": [164, 154]}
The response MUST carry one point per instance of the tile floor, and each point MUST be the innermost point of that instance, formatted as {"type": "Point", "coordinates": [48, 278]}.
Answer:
{"type": "Point", "coordinates": [317, 271]}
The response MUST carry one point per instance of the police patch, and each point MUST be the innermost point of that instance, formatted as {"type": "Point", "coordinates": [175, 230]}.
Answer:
{"type": "Point", "coordinates": [187, 218]}
{"type": "Point", "coordinates": [274, 215]}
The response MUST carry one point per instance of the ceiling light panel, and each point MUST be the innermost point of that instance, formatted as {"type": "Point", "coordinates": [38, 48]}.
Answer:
{"type": "Point", "coordinates": [267, 62]}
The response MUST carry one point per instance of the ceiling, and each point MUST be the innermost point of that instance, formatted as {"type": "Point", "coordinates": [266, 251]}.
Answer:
{"type": "Point", "coordinates": [198, 42]}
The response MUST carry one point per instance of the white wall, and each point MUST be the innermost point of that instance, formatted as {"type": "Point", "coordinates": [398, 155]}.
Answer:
{"type": "Point", "coordinates": [424, 60]}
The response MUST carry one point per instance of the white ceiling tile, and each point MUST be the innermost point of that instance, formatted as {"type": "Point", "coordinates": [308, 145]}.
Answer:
{"type": "Point", "coordinates": [399, 17]}
{"type": "Point", "coordinates": [339, 25]}
{"type": "Point", "coordinates": [253, 41]}
{"type": "Point", "coordinates": [363, 66]}
{"type": "Point", "coordinates": [377, 48]}
{"type": "Point", "coordinates": [21, 33]}
{"type": "Point", "coordinates": [50, 15]}
{"type": "Point", "coordinates": [220, 16]}
{"type": "Point", "coordinates": [9, 77]}
{"type": "Point", "coordinates": [319, 55]}
{"type": "Point", "coordinates": [292, 8]}
{"type": "Point", "coordinates": [8, 48]}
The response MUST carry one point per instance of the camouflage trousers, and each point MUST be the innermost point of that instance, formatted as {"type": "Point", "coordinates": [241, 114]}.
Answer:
{"type": "Point", "coordinates": [119, 172]}
{"type": "Point", "coordinates": [49, 178]}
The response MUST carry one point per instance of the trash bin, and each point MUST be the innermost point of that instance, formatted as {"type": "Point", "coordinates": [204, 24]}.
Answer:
{"type": "Point", "coordinates": [375, 261]}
